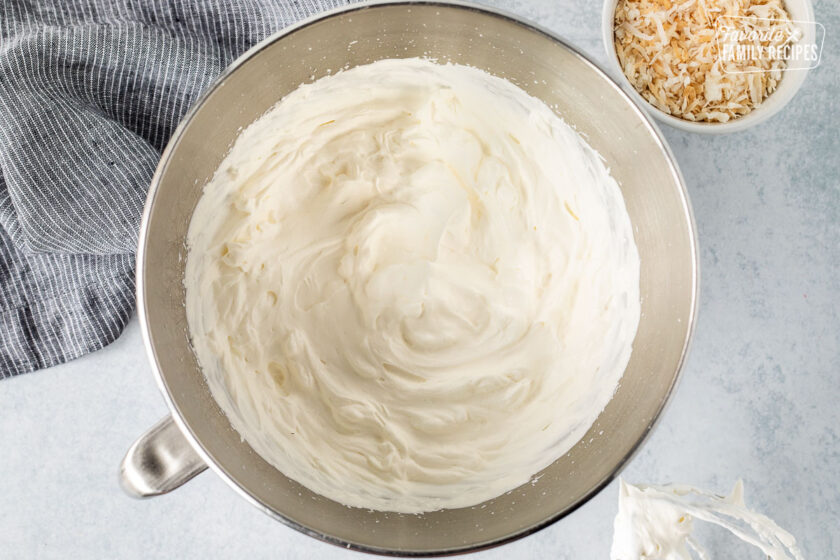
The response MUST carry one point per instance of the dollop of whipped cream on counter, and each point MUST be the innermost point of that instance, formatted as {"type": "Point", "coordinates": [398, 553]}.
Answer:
{"type": "Point", "coordinates": [411, 286]}
{"type": "Point", "coordinates": [656, 523]}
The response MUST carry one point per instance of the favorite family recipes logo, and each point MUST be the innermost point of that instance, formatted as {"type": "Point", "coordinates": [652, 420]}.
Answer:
{"type": "Point", "coordinates": [754, 44]}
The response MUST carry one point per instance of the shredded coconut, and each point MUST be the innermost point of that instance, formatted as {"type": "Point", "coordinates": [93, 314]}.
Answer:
{"type": "Point", "coordinates": [669, 51]}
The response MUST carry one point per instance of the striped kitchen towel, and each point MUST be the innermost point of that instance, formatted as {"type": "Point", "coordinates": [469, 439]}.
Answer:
{"type": "Point", "coordinates": [90, 91]}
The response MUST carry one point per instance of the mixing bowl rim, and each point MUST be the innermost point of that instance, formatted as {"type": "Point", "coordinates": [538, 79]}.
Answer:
{"type": "Point", "coordinates": [142, 311]}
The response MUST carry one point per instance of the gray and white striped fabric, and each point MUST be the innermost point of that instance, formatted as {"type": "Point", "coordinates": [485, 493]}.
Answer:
{"type": "Point", "coordinates": [90, 92]}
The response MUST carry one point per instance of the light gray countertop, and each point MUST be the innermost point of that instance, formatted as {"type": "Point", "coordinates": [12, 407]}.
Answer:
{"type": "Point", "coordinates": [758, 399]}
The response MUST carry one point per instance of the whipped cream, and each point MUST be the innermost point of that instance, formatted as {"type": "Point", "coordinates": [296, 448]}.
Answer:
{"type": "Point", "coordinates": [656, 523]}
{"type": "Point", "coordinates": [411, 286]}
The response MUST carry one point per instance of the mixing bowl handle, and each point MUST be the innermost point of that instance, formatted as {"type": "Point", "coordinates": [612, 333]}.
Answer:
{"type": "Point", "coordinates": [160, 461]}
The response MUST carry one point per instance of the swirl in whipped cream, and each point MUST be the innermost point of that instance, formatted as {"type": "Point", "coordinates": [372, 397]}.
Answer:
{"type": "Point", "coordinates": [411, 286]}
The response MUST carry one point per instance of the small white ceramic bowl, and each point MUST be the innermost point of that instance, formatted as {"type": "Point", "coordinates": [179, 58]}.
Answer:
{"type": "Point", "coordinates": [800, 11]}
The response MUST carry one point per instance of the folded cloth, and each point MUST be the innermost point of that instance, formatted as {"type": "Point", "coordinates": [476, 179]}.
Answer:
{"type": "Point", "coordinates": [90, 91]}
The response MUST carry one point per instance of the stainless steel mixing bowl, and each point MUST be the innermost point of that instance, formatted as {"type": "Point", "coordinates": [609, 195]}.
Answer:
{"type": "Point", "coordinates": [198, 434]}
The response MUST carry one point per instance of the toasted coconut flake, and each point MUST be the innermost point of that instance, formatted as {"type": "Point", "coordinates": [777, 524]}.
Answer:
{"type": "Point", "coordinates": [667, 49]}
